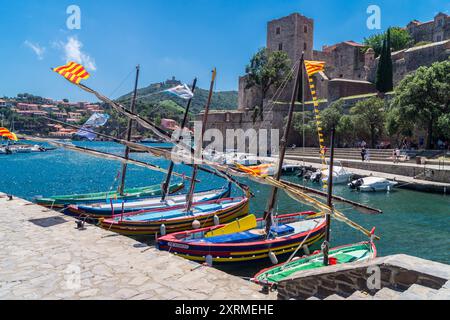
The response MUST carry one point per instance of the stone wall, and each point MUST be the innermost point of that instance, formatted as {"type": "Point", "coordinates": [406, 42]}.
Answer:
{"type": "Point", "coordinates": [338, 88]}
{"type": "Point", "coordinates": [398, 272]}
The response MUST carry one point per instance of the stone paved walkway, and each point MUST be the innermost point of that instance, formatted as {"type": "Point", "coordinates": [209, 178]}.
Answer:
{"type": "Point", "coordinates": [44, 256]}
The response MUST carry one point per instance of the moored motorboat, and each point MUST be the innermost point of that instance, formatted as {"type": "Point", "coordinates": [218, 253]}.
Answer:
{"type": "Point", "coordinates": [105, 210]}
{"type": "Point", "coordinates": [246, 239]}
{"type": "Point", "coordinates": [131, 193]}
{"type": "Point", "coordinates": [177, 218]}
{"type": "Point", "coordinates": [372, 184]}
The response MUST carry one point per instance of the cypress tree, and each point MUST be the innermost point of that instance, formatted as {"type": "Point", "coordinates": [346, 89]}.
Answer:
{"type": "Point", "coordinates": [384, 79]}
{"type": "Point", "coordinates": [389, 76]}
{"type": "Point", "coordinates": [379, 81]}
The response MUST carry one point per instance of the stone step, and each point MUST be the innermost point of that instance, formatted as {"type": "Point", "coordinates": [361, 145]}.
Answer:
{"type": "Point", "coordinates": [418, 292]}
{"type": "Point", "coordinates": [358, 295]}
{"type": "Point", "coordinates": [442, 294]}
{"type": "Point", "coordinates": [387, 294]}
{"type": "Point", "coordinates": [334, 297]}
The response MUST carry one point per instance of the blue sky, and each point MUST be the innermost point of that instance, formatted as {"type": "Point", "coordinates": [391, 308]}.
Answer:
{"type": "Point", "coordinates": [178, 37]}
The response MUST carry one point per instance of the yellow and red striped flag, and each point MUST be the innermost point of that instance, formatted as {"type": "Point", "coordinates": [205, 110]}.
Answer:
{"type": "Point", "coordinates": [74, 72]}
{"type": "Point", "coordinates": [312, 67]}
{"type": "Point", "coordinates": [8, 134]}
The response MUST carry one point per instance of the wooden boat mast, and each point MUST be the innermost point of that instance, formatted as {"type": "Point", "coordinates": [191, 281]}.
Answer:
{"type": "Point", "coordinates": [326, 243]}
{"type": "Point", "coordinates": [190, 195]}
{"type": "Point", "coordinates": [283, 146]}
{"type": "Point", "coordinates": [129, 130]}
{"type": "Point", "coordinates": [165, 186]}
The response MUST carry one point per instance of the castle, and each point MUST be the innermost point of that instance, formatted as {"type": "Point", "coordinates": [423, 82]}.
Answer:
{"type": "Point", "coordinates": [350, 71]}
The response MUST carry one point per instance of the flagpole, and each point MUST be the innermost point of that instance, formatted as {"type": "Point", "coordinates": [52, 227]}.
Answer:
{"type": "Point", "coordinates": [190, 195]}
{"type": "Point", "coordinates": [283, 146]}
{"type": "Point", "coordinates": [165, 186]}
{"type": "Point", "coordinates": [129, 131]}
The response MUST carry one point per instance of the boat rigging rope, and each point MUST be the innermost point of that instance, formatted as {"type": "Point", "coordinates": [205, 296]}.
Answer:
{"type": "Point", "coordinates": [295, 193]}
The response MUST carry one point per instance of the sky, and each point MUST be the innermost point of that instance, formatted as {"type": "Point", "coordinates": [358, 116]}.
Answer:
{"type": "Point", "coordinates": [180, 38]}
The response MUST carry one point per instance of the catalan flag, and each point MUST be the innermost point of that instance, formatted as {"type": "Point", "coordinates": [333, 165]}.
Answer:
{"type": "Point", "coordinates": [312, 67]}
{"type": "Point", "coordinates": [7, 134]}
{"type": "Point", "coordinates": [73, 72]}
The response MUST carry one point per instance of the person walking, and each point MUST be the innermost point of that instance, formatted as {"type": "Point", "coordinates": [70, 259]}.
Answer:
{"type": "Point", "coordinates": [368, 155]}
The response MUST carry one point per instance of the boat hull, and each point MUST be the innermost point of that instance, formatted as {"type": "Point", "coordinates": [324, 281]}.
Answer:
{"type": "Point", "coordinates": [107, 211]}
{"type": "Point", "coordinates": [240, 252]}
{"type": "Point", "coordinates": [153, 227]}
{"type": "Point", "coordinates": [343, 254]}
{"type": "Point", "coordinates": [129, 194]}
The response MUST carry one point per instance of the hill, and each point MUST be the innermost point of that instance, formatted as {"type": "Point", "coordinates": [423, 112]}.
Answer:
{"type": "Point", "coordinates": [152, 96]}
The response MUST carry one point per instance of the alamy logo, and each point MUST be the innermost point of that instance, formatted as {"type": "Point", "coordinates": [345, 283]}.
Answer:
{"type": "Point", "coordinates": [374, 280]}
{"type": "Point", "coordinates": [73, 277]}
{"type": "Point", "coordinates": [374, 20]}
{"type": "Point", "coordinates": [73, 22]}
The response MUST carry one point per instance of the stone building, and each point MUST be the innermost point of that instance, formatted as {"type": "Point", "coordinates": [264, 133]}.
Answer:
{"type": "Point", "coordinates": [350, 71]}
{"type": "Point", "coordinates": [436, 30]}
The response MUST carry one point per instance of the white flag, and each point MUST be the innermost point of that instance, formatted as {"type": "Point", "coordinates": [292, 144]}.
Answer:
{"type": "Point", "coordinates": [181, 91]}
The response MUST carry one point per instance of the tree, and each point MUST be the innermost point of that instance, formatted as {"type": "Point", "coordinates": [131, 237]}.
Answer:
{"type": "Point", "coordinates": [424, 98]}
{"type": "Point", "coordinates": [396, 126]}
{"type": "Point", "coordinates": [384, 79]}
{"type": "Point", "coordinates": [332, 115]}
{"type": "Point", "coordinates": [400, 39]}
{"type": "Point", "coordinates": [267, 69]}
{"type": "Point", "coordinates": [368, 117]}
{"type": "Point", "coordinates": [309, 127]}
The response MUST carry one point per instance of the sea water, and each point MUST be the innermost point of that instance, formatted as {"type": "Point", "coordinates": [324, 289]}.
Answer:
{"type": "Point", "coordinates": [412, 222]}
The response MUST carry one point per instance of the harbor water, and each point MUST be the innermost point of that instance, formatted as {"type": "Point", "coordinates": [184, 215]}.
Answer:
{"type": "Point", "coordinates": [412, 223]}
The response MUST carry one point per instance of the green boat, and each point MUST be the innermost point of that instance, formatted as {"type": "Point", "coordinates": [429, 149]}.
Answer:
{"type": "Point", "coordinates": [131, 193]}
{"type": "Point", "coordinates": [340, 255]}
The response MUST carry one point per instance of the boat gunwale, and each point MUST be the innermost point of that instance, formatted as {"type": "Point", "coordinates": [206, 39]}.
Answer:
{"type": "Point", "coordinates": [371, 243]}
{"type": "Point", "coordinates": [172, 237]}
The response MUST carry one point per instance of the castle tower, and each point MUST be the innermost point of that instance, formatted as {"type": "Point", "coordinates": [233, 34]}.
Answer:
{"type": "Point", "coordinates": [292, 34]}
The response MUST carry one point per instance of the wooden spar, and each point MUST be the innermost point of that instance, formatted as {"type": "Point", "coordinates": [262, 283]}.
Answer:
{"type": "Point", "coordinates": [330, 186]}
{"type": "Point", "coordinates": [165, 186]}
{"type": "Point", "coordinates": [99, 154]}
{"type": "Point", "coordinates": [326, 242]}
{"type": "Point", "coordinates": [273, 196]}
{"type": "Point", "coordinates": [129, 131]}
{"type": "Point", "coordinates": [335, 198]}
{"type": "Point", "coordinates": [204, 120]}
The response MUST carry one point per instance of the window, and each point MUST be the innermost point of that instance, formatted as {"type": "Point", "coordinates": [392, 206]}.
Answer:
{"type": "Point", "coordinates": [280, 47]}
{"type": "Point", "coordinates": [440, 23]}
{"type": "Point", "coordinates": [305, 29]}
{"type": "Point", "coordinates": [305, 46]}
{"type": "Point", "coordinates": [278, 31]}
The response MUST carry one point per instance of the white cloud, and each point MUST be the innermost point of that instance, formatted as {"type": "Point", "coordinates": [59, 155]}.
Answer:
{"type": "Point", "coordinates": [37, 49]}
{"type": "Point", "coordinates": [72, 51]}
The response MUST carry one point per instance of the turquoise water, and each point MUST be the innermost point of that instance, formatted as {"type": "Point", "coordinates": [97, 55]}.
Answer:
{"type": "Point", "coordinates": [413, 223]}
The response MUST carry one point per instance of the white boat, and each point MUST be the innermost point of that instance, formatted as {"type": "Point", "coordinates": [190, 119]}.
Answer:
{"type": "Point", "coordinates": [372, 184]}
{"type": "Point", "coordinates": [340, 175]}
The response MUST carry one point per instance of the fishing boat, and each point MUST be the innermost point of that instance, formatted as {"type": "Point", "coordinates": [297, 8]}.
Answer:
{"type": "Point", "coordinates": [325, 257]}
{"type": "Point", "coordinates": [176, 218]}
{"type": "Point", "coordinates": [246, 239]}
{"type": "Point", "coordinates": [345, 254]}
{"type": "Point", "coordinates": [128, 194]}
{"type": "Point", "coordinates": [372, 184]}
{"type": "Point", "coordinates": [250, 238]}
{"type": "Point", "coordinates": [105, 210]}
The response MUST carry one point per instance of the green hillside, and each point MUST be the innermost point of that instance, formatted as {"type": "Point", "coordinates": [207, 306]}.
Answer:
{"type": "Point", "coordinates": [154, 105]}
{"type": "Point", "coordinates": [225, 100]}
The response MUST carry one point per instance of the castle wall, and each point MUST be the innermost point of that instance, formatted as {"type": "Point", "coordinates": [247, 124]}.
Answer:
{"type": "Point", "coordinates": [338, 88]}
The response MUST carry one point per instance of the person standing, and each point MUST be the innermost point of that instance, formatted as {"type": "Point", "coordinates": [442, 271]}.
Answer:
{"type": "Point", "coordinates": [367, 155]}
{"type": "Point", "coordinates": [363, 154]}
